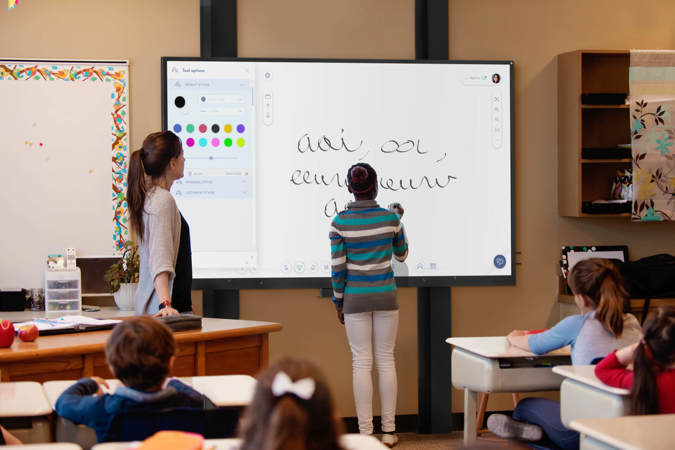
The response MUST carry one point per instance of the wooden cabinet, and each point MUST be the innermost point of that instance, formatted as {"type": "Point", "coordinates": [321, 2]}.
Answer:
{"type": "Point", "coordinates": [593, 130]}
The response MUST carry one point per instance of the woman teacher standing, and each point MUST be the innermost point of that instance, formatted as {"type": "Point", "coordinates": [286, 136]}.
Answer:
{"type": "Point", "coordinates": [165, 276]}
{"type": "Point", "coordinates": [363, 239]}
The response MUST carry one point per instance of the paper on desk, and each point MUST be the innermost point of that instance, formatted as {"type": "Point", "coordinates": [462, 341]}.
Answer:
{"type": "Point", "coordinates": [84, 320]}
{"type": "Point", "coordinates": [66, 322]}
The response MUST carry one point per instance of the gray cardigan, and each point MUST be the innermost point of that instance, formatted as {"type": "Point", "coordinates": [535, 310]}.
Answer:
{"type": "Point", "coordinates": [159, 248]}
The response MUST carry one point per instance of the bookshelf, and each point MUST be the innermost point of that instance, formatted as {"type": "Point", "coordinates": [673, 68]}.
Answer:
{"type": "Point", "coordinates": [593, 128]}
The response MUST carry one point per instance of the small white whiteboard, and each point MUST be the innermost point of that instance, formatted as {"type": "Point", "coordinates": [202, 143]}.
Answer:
{"type": "Point", "coordinates": [572, 255]}
{"type": "Point", "coordinates": [63, 154]}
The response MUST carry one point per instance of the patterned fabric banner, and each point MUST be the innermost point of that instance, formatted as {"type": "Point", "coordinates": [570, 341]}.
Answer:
{"type": "Point", "coordinates": [652, 100]}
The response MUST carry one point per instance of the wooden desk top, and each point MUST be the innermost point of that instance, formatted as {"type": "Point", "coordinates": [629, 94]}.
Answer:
{"type": "Point", "coordinates": [586, 375]}
{"type": "Point", "coordinates": [94, 341]}
{"type": "Point", "coordinates": [223, 390]}
{"type": "Point", "coordinates": [653, 432]}
{"type": "Point", "coordinates": [23, 399]}
{"type": "Point", "coordinates": [498, 347]}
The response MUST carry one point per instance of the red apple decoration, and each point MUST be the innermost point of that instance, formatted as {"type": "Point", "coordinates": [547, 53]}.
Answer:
{"type": "Point", "coordinates": [6, 333]}
{"type": "Point", "coordinates": [28, 333]}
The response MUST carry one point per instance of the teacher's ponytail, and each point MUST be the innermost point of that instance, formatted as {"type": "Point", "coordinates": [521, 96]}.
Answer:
{"type": "Point", "coordinates": [136, 191]}
{"type": "Point", "coordinates": [152, 160]}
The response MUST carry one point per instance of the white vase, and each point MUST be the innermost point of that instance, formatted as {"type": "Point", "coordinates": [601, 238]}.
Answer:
{"type": "Point", "coordinates": [124, 297]}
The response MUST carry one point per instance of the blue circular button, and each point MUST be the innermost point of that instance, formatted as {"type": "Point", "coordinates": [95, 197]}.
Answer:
{"type": "Point", "coordinates": [499, 261]}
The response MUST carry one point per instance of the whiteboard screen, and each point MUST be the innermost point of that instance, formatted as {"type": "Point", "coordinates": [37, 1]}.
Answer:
{"type": "Point", "coordinates": [268, 144]}
{"type": "Point", "coordinates": [63, 151]}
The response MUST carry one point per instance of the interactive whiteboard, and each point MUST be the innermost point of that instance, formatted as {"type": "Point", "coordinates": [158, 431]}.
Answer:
{"type": "Point", "coordinates": [268, 144]}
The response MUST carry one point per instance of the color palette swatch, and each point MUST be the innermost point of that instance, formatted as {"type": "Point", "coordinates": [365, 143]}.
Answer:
{"type": "Point", "coordinates": [203, 141]}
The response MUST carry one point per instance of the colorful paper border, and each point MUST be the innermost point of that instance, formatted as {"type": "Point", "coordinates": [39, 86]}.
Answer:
{"type": "Point", "coordinates": [117, 78]}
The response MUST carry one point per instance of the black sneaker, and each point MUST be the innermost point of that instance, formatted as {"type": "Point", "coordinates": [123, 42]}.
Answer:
{"type": "Point", "coordinates": [505, 427]}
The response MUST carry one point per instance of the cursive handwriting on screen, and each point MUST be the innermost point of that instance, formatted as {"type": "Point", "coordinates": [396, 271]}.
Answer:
{"type": "Point", "coordinates": [325, 143]}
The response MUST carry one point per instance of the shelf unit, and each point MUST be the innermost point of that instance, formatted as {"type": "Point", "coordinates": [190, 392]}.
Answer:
{"type": "Point", "coordinates": [63, 291]}
{"type": "Point", "coordinates": [590, 126]}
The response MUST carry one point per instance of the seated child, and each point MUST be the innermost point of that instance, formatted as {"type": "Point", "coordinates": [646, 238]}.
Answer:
{"type": "Point", "coordinates": [652, 380]}
{"type": "Point", "coordinates": [601, 327]}
{"type": "Point", "coordinates": [292, 408]}
{"type": "Point", "coordinates": [140, 352]}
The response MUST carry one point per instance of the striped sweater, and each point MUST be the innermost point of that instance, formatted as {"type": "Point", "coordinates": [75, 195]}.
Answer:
{"type": "Point", "coordinates": [363, 239]}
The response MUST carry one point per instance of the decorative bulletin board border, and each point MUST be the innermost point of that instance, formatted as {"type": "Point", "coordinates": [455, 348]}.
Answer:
{"type": "Point", "coordinates": [117, 78]}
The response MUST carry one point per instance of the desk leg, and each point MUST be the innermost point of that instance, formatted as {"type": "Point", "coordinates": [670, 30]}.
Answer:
{"type": "Point", "coordinates": [470, 400]}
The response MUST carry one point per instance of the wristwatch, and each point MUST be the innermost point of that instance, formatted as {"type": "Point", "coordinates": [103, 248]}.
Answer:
{"type": "Point", "coordinates": [165, 304]}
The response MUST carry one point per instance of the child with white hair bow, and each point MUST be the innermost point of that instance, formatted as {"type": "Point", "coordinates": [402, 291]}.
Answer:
{"type": "Point", "coordinates": [292, 408]}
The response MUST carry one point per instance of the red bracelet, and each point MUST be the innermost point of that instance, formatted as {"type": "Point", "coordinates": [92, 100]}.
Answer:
{"type": "Point", "coordinates": [165, 304]}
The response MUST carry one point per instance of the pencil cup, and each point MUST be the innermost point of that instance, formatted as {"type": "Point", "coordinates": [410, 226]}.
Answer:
{"type": "Point", "coordinates": [37, 299]}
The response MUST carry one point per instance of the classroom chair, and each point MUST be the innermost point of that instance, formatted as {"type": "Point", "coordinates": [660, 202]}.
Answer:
{"type": "Point", "coordinates": [140, 424]}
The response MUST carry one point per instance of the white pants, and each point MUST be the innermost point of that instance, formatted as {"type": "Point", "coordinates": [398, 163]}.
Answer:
{"type": "Point", "coordinates": [364, 329]}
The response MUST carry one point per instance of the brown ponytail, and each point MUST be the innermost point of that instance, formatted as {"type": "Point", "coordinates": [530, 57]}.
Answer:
{"type": "Point", "coordinates": [655, 352]}
{"type": "Point", "coordinates": [601, 283]}
{"type": "Point", "coordinates": [152, 159]}
{"type": "Point", "coordinates": [136, 192]}
{"type": "Point", "coordinates": [288, 426]}
{"type": "Point", "coordinates": [288, 422]}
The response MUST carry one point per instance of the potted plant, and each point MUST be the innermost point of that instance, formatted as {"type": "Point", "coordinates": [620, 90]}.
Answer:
{"type": "Point", "coordinates": [123, 277]}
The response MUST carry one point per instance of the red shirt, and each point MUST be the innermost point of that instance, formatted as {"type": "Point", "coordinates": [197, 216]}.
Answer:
{"type": "Point", "coordinates": [611, 372]}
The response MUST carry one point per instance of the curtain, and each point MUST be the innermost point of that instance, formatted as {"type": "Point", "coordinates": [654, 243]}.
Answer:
{"type": "Point", "coordinates": [652, 102]}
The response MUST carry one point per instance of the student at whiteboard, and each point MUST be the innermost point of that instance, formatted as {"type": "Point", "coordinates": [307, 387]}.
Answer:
{"type": "Point", "coordinates": [363, 239]}
{"type": "Point", "coordinates": [165, 276]}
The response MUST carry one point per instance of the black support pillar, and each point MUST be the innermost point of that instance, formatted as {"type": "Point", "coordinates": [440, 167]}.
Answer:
{"type": "Point", "coordinates": [434, 391]}
{"type": "Point", "coordinates": [218, 25]}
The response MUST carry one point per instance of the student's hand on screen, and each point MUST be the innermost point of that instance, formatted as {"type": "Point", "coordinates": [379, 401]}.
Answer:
{"type": "Point", "coordinates": [397, 208]}
{"type": "Point", "coordinates": [102, 384]}
{"type": "Point", "coordinates": [341, 317]}
{"type": "Point", "coordinates": [168, 311]}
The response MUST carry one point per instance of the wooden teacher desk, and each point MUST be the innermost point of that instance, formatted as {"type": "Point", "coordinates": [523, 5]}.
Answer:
{"type": "Point", "coordinates": [491, 364]}
{"type": "Point", "coordinates": [221, 347]}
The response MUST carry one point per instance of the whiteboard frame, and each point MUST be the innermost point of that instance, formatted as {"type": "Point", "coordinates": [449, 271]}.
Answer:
{"type": "Point", "coordinates": [325, 282]}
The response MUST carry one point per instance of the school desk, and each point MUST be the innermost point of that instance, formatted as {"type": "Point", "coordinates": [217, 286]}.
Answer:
{"type": "Point", "coordinates": [491, 364]}
{"type": "Point", "coordinates": [583, 395]}
{"type": "Point", "coordinates": [351, 441]}
{"type": "Point", "coordinates": [652, 432]}
{"type": "Point", "coordinates": [51, 446]}
{"type": "Point", "coordinates": [223, 390]}
{"type": "Point", "coordinates": [221, 347]}
{"type": "Point", "coordinates": [26, 404]}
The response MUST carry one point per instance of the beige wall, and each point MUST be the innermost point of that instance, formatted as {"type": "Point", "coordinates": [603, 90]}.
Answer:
{"type": "Point", "coordinates": [139, 31]}
{"type": "Point", "coordinates": [530, 32]}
